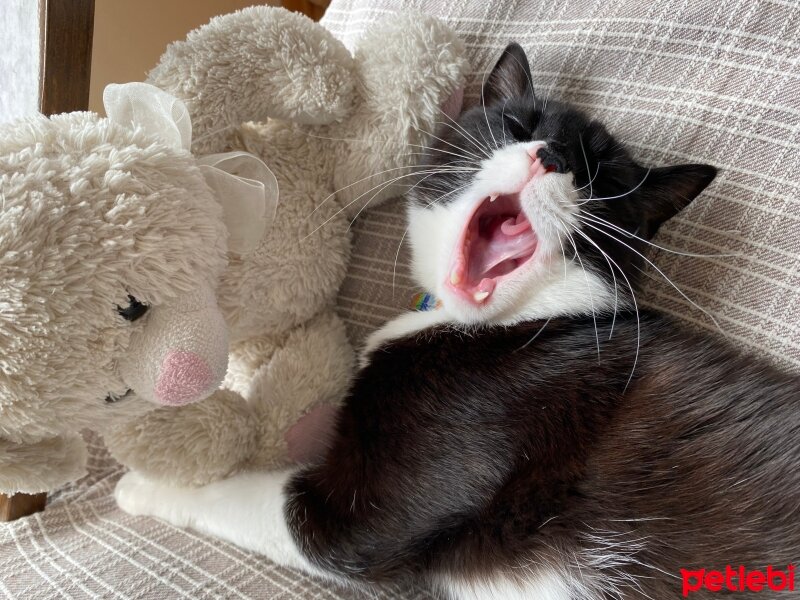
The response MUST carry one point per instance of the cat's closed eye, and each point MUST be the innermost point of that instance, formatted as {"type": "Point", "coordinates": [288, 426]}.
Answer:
{"type": "Point", "coordinates": [516, 128]}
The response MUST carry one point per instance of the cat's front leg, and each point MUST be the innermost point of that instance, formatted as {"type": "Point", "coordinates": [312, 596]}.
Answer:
{"type": "Point", "coordinates": [246, 510]}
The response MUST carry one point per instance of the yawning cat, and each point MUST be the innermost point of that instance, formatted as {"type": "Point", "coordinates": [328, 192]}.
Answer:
{"type": "Point", "coordinates": [540, 436]}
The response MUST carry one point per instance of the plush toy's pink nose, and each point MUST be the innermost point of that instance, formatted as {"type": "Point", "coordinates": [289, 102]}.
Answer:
{"type": "Point", "coordinates": [183, 378]}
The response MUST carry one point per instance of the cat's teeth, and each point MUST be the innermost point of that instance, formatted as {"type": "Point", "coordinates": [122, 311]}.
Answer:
{"type": "Point", "coordinates": [493, 197]}
{"type": "Point", "coordinates": [455, 277]}
{"type": "Point", "coordinates": [480, 296]}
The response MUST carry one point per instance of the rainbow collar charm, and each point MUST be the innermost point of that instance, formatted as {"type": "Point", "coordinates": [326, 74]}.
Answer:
{"type": "Point", "coordinates": [425, 301]}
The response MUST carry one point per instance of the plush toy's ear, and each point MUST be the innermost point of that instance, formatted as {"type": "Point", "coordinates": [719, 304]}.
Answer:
{"type": "Point", "coordinates": [510, 77]}
{"type": "Point", "coordinates": [144, 106]}
{"type": "Point", "coordinates": [242, 183]}
{"type": "Point", "coordinates": [668, 190]}
{"type": "Point", "coordinates": [248, 193]}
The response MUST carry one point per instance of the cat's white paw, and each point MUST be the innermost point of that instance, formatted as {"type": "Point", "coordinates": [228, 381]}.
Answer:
{"type": "Point", "coordinates": [135, 494]}
{"type": "Point", "coordinates": [139, 496]}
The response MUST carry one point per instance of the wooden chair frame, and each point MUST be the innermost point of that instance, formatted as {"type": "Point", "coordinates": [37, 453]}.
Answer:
{"type": "Point", "coordinates": [65, 43]}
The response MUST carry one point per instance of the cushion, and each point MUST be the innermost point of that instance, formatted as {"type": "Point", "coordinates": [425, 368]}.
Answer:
{"type": "Point", "coordinates": [712, 81]}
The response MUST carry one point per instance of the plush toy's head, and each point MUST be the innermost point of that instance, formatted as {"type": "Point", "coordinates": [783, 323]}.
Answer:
{"type": "Point", "coordinates": [112, 243]}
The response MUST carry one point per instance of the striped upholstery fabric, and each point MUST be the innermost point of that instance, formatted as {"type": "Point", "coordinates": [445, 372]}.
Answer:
{"type": "Point", "coordinates": [715, 81]}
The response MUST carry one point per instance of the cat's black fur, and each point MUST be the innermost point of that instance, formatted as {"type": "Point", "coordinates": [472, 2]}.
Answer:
{"type": "Point", "coordinates": [473, 455]}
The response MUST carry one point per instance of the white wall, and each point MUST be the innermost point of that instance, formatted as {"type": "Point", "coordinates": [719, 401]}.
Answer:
{"type": "Point", "coordinates": [131, 35]}
{"type": "Point", "coordinates": [19, 58]}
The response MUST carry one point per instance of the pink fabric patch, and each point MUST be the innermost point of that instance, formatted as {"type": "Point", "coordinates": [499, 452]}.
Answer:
{"type": "Point", "coordinates": [308, 439]}
{"type": "Point", "coordinates": [452, 106]}
{"type": "Point", "coordinates": [183, 379]}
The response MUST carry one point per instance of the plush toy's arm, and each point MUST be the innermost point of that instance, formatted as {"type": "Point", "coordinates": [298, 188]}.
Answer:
{"type": "Point", "coordinates": [189, 445]}
{"type": "Point", "coordinates": [41, 466]}
{"type": "Point", "coordinates": [253, 64]}
{"type": "Point", "coordinates": [295, 395]}
{"type": "Point", "coordinates": [411, 69]}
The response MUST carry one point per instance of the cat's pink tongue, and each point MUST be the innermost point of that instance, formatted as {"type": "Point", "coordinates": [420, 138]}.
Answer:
{"type": "Point", "coordinates": [506, 241]}
{"type": "Point", "coordinates": [512, 227]}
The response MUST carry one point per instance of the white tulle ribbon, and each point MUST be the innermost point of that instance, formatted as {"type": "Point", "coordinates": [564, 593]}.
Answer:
{"type": "Point", "coordinates": [244, 186]}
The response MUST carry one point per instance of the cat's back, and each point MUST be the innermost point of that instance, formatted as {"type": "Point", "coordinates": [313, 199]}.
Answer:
{"type": "Point", "coordinates": [690, 462]}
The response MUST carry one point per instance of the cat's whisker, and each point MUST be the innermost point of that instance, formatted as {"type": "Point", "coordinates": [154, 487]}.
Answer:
{"type": "Point", "coordinates": [426, 163]}
{"type": "Point", "coordinates": [356, 182]}
{"type": "Point", "coordinates": [485, 114]}
{"type": "Point", "coordinates": [600, 221]}
{"type": "Point", "coordinates": [591, 181]}
{"type": "Point", "coordinates": [586, 162]}
{"type": "Point", "coordinates": [547, 98]}
{"type": "Point", "coordinates": [357, 198]}
{"type": "Point", "coordinates": [462, 131]}
{"type": "Point", "coordinates": [638, 185]}
{"type": "Point", "coordinates": [413, 168]}
{"type": "Point", "coordinates": [427, 149]}
{"type": "Point", "coordinates": [611, 261]}
{"type": "Point", "coordinates": [563, 253]}
{"type": "Point", "coordinates": [660, 272]}
{"type": "Point", "coordinates": [371, 198]}
{"type": "Point", "coordinates": [436, 137]}
{"type": "Point", "coordinates": [480, 148]}
{"type": "Point", "coordinates": [613, 276]}
{"type": "Point", "coordinates": [588, 289]}
{"type": "Point", "coordinates": [526, 344]}
{"type": "Point", "coordinates": [383, 188]}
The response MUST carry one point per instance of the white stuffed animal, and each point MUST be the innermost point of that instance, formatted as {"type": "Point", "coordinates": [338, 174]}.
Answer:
{"type": "Point", "coordinates": [112, 240]}
{"type": "Point", "coordinates": [112, 243]}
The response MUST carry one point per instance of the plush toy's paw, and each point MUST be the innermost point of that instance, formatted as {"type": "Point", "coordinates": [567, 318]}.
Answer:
{"type": "Point", "coordinates": [139, 496]}
{"type": "Point", "coordinates": [191, 445]}
{"type": "Point", "coordinates": [41, 466]}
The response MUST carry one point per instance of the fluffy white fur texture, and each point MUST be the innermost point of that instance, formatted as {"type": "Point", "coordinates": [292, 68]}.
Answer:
{"type": "Point", "coordinates": [91, 213]}
{"type": "Point", "coordinates": [20, 59]}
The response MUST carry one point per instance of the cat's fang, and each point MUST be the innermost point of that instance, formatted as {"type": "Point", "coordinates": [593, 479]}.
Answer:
{"type": "Point", "coordinates": [493, 197]}
{"type": "Point", "coordinates": [481, 296]}
{"type": "Point", "coordinates": [455, 276]}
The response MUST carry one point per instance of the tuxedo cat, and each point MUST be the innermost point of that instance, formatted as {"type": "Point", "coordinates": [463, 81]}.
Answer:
{"type": "Point", "coordinates": [540, 435]}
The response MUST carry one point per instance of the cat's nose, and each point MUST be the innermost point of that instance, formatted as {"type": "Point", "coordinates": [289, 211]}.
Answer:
{"type": "Point", "coordinates": [533, 151]}
{"type": "Point", "coordinates": [553, 161]}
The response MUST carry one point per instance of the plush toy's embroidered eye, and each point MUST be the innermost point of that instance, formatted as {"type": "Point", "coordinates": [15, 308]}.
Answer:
{"type": "Point", "coordinates": [134, 310]}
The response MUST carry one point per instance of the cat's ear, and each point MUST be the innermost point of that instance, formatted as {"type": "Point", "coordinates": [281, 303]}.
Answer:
{"type": "Point", "coordinates": [668, 190]}
{"type": "Point", "coordinates": [510, 78]}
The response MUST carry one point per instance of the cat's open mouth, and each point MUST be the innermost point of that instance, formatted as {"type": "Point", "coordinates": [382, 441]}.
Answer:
{"type": "Point", "coordinates": [497, 240]}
